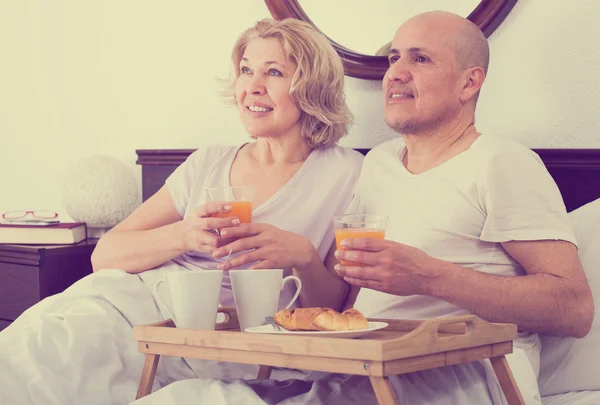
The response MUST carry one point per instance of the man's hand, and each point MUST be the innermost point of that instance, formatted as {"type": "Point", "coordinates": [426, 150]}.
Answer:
{"type": "Point", "coordinates": [387, 266]}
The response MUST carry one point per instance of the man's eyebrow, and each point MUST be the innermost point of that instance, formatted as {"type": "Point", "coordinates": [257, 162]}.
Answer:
{"type": "Point", "coordinates": [414, 49]}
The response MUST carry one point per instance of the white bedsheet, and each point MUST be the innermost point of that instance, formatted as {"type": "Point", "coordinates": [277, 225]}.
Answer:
{"type": "Point", "coordinates": [455, 385]}
{"type": "Point", "coordinates": [573, 398]}
{"type": "Point", "coordinates": [450, 386]}
{"type": "Point", "coordinates": [77, 347]}
{"type": "Point", "coordinates": [467, 384]}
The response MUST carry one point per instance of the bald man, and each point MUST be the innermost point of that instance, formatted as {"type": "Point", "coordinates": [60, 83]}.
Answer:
{"type": "Point", "coordinates": [476, 226]}
{"type": "Point", "coordinates": [476, 223]}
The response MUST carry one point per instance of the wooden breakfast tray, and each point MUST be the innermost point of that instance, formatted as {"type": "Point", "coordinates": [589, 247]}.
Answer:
{"type": "Point", "coordinates": [403, 347]}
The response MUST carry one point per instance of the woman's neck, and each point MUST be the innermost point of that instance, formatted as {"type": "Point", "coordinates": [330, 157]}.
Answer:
{"type": "Point", "coordinates": [269, 151]}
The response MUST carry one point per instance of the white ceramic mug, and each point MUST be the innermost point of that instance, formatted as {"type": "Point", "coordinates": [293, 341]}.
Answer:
{"type": "Point", "coordinates": [195, 298]}
{"type": "Point", "coordinates": [256, 294]}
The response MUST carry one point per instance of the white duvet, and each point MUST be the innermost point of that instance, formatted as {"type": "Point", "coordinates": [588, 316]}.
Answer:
{"type": "Point", "coordinates": [450, 386]}
{"type": "Point", "coordinates": [466, 384]}
{"type": "Point", "coordinates": [77, 348]}
{"type": "Point", "coordinates": [573, 398]}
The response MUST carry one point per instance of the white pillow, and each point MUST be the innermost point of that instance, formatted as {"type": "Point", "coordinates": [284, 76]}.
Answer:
{"type": "Point", "coordinates": [569, 364]}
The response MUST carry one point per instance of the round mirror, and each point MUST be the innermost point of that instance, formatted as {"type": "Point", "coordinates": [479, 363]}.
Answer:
{"type": "Point", "coordinates": [361, 31]}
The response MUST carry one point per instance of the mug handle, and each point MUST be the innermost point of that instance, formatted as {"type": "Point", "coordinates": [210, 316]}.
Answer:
{"type": "Point", "coordinates": [161, 302]}
{"type": "Point", "coordinates": [298, 288]}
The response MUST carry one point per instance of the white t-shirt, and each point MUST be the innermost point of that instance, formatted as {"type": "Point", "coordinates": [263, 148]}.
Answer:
{"type": "Point", "coordinates": [322, 188]}
{"type": "Point", "coordinates": [498, 190]}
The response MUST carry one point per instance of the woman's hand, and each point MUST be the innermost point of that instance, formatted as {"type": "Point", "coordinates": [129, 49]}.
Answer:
{"type": "Point", "coordinates": [199, 230]}
{"type": "Point", "coordinates": [270, 246]}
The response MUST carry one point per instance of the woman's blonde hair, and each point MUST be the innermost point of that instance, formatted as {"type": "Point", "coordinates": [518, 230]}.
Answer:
{"type": "Point", "coordinates": [317, 85]}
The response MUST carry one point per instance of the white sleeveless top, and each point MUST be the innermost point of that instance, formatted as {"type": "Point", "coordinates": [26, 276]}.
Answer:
{"type": "Point", "coordinates": [322, 188]}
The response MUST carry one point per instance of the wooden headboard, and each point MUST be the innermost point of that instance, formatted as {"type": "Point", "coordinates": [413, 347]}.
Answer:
{"type": "Point", "coordinates": [576, 171]}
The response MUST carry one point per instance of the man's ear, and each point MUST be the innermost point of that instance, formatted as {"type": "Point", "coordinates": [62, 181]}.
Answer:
{"type": "Point", "coordinates": [473, 80]}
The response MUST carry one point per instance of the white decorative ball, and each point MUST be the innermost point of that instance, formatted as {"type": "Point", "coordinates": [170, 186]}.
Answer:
{"type": "Point", "coordinates": [100, 191]}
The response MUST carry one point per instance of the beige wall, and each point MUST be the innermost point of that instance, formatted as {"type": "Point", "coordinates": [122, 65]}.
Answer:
{"type": "Point", "coordinates": [84, 77]}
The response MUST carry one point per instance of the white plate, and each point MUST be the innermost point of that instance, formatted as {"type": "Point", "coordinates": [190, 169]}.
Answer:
{"type": "Point", "coordinates": [270, 329]}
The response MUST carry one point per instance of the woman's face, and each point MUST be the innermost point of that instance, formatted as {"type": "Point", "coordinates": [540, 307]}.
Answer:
{"type": "Point", "coordinates": [263, 90]}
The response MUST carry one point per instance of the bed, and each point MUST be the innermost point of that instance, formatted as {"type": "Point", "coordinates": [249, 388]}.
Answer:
{"type": "Point", "coordinates": [570, 368]}
{"type": "Point", "coordinates": [573, 398]}
{"type": "Point", "coordinates": [576, 171]}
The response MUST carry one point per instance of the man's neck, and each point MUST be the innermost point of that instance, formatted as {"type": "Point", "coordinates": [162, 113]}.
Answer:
{"type": "Point", "coordinates": [426, 150]}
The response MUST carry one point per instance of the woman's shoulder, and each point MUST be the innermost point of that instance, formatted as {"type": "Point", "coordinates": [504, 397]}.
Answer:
{"type": "Point", "coordinates": [212, 152]}
{"type": "Point", "coordinates": [336, 165]}
{"type": "Point", "coordinates": [341, 153]}
{"type": "Point", "coordinates": [216, 149]}
{"type": "Point", "coordinates": [384, 151]}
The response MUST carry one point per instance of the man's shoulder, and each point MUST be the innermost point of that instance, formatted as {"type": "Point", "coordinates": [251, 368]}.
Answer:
{"type": "Point", "coordinates": [491, 147]}
{"type": "Point", "coordinates": [497, 156]}
{"type": "Point", "coordinates": [495, 143]}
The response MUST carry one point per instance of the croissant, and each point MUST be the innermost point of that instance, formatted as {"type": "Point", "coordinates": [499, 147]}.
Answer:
{"type": "Point", "coordinates": [356, 320]}
{"type": "Point", "coordinates": [284, 318]}
{"type": "Point", "coordinates": [298, 319]}
{"type": "Point", "coordinates": [331, 320]}
{"type": "Point", "coordinates": [324, 319]}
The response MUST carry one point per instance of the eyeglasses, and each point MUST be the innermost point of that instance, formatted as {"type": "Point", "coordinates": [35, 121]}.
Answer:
{"type": "Point", "coordinates": [39, 214]}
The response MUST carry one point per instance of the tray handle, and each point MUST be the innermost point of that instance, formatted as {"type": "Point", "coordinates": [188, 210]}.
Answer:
{"type": "Point", "coordinates": [231, 319]}
{"type": "Point", "coordinates": [432, 326]}
{"type": "Point", "coordinates": [477, 331]}
{"type": "Point", "coordinates": [167, 323]}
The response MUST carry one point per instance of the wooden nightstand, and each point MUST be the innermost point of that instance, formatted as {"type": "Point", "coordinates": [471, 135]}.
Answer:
{"type": "Point", "coordinates": [30, 273]}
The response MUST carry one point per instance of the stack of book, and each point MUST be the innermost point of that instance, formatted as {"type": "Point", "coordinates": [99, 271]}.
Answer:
{"type": "Point", "coordinates": [61, 233]}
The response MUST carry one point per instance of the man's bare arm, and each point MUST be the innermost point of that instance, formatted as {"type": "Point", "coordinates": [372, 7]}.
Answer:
{"type": "Point", "coordinates": [554, 297]}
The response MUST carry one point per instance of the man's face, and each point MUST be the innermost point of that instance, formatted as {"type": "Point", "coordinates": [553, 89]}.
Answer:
{"type": "Point", "coordinates": [422, 87]}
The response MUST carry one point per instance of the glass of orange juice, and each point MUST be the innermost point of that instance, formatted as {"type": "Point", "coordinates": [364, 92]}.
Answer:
{"type": "Point", "coordinates": [240, 199]}
{"type": "Point", "coordinates": [358, 226]}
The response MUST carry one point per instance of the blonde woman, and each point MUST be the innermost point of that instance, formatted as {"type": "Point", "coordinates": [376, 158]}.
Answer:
{"type": "Point", "coordinates": [288, 89]}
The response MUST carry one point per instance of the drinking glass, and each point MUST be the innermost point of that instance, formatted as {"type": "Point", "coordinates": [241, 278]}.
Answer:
{"type": "Point", "coordinates": [358, 226]}
{"type": "Point", "coordinates": [240, 199]}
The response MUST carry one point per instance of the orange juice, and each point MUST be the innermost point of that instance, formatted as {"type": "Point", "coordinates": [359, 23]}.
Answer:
{"type": "Point", "coordinates": [239, 209]}
{"type": "Point", "coordinates": [341, 234]}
